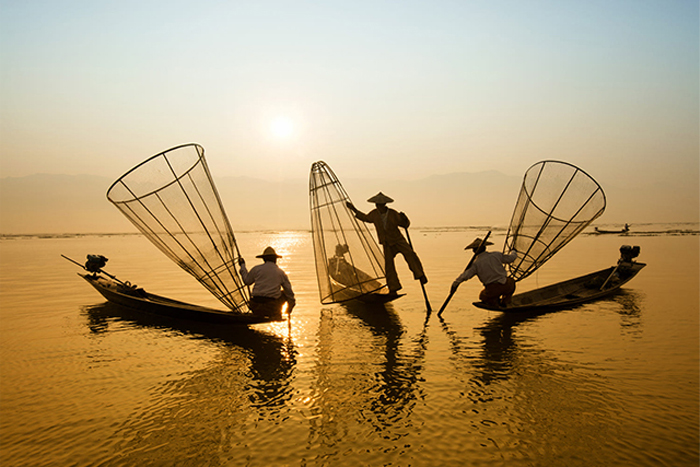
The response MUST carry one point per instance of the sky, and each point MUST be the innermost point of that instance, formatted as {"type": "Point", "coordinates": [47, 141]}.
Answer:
{"type": "Point", "coordinates": [379, 89]}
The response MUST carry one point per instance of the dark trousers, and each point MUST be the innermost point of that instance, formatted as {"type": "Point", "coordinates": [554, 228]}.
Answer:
{"type": "Point", "coordinates": [414, 264]}
{"type": "Point", "coordinates": [496, 294]}
{"type": "Point", "coordinates": [267, 307]}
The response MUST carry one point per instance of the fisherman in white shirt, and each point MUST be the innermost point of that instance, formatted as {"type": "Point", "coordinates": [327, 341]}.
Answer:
{"type": "Point", "coordinates": [488, 266]}
{"type": "Point", "coordinates": [271, 286]}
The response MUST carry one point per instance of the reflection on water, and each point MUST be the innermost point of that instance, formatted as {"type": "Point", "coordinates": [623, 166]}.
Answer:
{"type": "Point", "coordinates": [397, 386]}
{"type": "Point", "coordinates": [613, 382]}
{"type": "Point", "coordinates": [368, 382]}
{"type": "Point", "coordinates": [187, 414]}
{"type": "Point", "coordinates": [630, 310]}
{"type": "Point", "coordinates": [499, 347]}
{"type": "Point", "coordinates": [271, 357]}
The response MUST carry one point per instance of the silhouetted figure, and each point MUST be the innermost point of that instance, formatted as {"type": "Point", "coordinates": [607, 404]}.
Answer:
{"type": "Point", "coordinates": [488, 266]}
{"type": "Point", "coordinates": [271, 286]}
{"type": "Point", "coordinates": [387, 222]}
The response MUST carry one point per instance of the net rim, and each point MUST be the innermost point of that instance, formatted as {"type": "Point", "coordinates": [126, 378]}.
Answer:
{"type": "Point", "coordinates": [198, 147]}
{"type": "Point", "coordinates": [577, 168]}
{"type": "Point", "coordinates": [538, 260]}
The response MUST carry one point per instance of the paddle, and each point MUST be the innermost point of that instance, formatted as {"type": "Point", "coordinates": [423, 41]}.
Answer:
{"type": "Point", "coordinates": [422, 286]}
{"type": "Point", "coordinates": [471, 261]}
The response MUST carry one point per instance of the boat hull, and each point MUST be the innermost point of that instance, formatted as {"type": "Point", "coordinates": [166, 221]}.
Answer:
{"type": "Point", "coordinates": [141, 300]}
{"type": "Point", "coordinates": [603, 231]}
{"type": "Point", "coordinates": [343, 294]}
{"type": "Point", "coordinates": [583, 289]}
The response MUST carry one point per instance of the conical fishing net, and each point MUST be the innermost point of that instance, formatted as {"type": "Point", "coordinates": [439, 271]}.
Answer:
{"type": "Point", "coordinates": [172, 200]}
{"type": "Point", "coordinates": [349, 263]}
{"type": "Point", "coordinates": [556, 202]}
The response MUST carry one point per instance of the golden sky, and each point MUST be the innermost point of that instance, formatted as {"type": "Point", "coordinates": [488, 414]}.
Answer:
{"type": "Point", "coordinates": [379, 89]}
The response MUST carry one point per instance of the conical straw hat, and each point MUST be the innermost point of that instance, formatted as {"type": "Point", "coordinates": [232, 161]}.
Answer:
{"type": "Point", "coordinates": [477, 243]}
{"type": "Point", "coordinates": [380, 198]}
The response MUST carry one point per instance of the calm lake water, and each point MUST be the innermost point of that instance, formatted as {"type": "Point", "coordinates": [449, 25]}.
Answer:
{"type": "Point", "coordinates": [613, 383]}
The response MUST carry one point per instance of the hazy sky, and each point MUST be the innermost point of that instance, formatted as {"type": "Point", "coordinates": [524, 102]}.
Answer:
{"type": "Point", "coordinates": [399, 89]}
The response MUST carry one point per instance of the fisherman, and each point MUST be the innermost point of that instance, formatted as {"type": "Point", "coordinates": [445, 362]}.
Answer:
{"type": "Point", "coordinates": [348, 275]}
{"type": "Point", "coordinates": [488, 266]}
{"type": "Point", "coordinates": [271, 286]}
{"type": "Point", "coordinates": [387, 222]}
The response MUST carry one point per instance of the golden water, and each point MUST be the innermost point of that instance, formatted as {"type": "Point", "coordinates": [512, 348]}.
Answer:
{"type": "Point", "coordinates": [86, 383]}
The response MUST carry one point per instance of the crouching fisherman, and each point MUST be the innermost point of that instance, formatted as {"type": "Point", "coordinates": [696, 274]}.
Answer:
{"type": "Point", "coordinates": [271, 286]}
{"type": "Point", "coordinates": [488, 266]}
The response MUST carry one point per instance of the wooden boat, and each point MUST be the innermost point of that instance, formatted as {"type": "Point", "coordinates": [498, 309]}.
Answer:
{"type": "Point", "coordinates": [343, 293]}
{"type": "Point", "coordinates": [138, 299]}
{"type": "Point", "coordinates": [573, 292]}
{"type": "Point", "coordinates": [172, 200]}
{"type": "Point", "coordinates": [621, 231]}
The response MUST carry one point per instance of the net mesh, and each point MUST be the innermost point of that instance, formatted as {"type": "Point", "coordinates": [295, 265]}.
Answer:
{"type": "Point", "coordinates": [557, 201]}
{"type": "Point", "coordinates": [171, 198]}
{"type": "Point", "coordinates": [349, 263]}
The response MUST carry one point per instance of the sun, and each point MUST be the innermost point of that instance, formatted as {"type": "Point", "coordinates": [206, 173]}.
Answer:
{"type": "Point", "coordinates": [282, 127]}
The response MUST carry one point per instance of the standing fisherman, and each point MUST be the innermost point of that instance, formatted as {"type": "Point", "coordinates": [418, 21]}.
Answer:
{"type": "Point", "coordinates": [271, 289]}
{"type": "Point", "coordinates": [387, 222]}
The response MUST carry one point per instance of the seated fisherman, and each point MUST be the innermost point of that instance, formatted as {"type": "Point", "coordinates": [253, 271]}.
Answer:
{"type": "Point", "coordinates": [488, 266]}
{"type": "Point", "coordinates": [271, 286]}
{"type": "Point", "coordinates": [346, 274]}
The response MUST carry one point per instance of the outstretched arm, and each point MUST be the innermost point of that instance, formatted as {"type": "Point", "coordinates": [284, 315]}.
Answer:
{"type": "Point", "coordinates": [465, 276]}
{"type": "Point", "coordinates": [358, 214]}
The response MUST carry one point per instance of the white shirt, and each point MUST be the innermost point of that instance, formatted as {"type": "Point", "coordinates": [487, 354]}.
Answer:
{"type": "Point", "coordinates": [269, 281]}
{"type": "Point", "coordinates": [488, 266]}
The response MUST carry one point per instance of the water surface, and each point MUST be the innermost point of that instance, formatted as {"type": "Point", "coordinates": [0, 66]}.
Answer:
{"type": "Point", "coordinates": [84, 382]}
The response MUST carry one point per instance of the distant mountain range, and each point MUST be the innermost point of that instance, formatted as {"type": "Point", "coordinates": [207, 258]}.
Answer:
{"type": "Point", "coordinates": [77, 203]}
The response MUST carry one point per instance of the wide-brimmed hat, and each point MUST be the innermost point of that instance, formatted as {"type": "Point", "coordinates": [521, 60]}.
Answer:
{"type": "Point", "coordinates": [269, 253]}
{"type": "Point", "coordinates": [380, 198]}
{"type": "Point", "coordinates": [477, 243]}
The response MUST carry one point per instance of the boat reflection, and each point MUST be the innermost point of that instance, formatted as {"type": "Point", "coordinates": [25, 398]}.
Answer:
{"type": "Point", "coordinates": [493, 358]}
{"type": "Point", "coordinates": [271, 357]}
{"type": "Point", "coordinates": [499, 346]}
{"type": "Point", "coordinates": [188, 412]}
{"type": "Point", "coordinates": [630, 309]}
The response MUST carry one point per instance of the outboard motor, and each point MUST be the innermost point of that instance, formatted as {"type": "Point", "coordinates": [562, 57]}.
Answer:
{"type": "Point", "coordinates": [628, 253]}
{"type": "Point", "coordinates": [95, 263]}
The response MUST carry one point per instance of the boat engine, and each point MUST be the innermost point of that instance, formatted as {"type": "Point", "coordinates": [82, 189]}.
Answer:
{"type": "Point", "coordinates": [628, 253]}
{"type": "Point", "coordinates": [95, 263]}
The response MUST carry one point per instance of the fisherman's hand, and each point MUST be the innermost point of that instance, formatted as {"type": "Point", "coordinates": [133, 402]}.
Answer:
{"type": "Point", "coordinates": [350, 206]}
{"type": "Point", "coordinates": [454, 286]}
{"type": "Point", "coordinates": [404, 220]}
{"type": "Point", "coordinates": [241, 261]}
{"type": "Point", "coordinates": [290, 307]}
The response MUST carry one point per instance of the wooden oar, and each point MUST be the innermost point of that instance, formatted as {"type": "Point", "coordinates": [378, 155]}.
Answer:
{"type": "Point", "coordinates": [471, 261]}
{"type": "Point", "coordinates": [422, 286]}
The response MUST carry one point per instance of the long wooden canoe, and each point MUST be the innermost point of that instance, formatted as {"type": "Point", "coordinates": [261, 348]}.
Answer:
{"type": "Point", "coordinates": [573, 292]}
{"type": "Point", "coordinates": [604, 231]}
{"type": "Point", "coordinates": [139, 299]}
